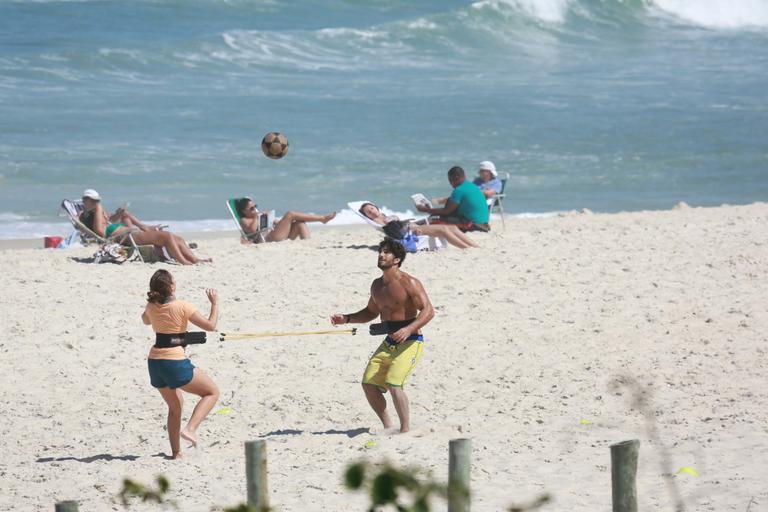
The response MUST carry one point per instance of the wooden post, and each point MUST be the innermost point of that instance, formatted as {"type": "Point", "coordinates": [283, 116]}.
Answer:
{"type": "Point", "coordinates": [623, 475]}
{"type": "Point", "coordinates": [66, 506]}
{"type": "Point", "coordinates": [459, 461]}
{"type": "Point", "coordinates": [256, 473]}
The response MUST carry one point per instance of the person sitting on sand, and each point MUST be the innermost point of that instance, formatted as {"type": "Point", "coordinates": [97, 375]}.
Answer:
{"type": "Point", "coordinates": [488, 179]}
{"type": "Point", "coordinates": [123, 222]}
{"type": "Point", "coordinates": [290, 226]}
{"type": "Point", "coordinates": [451, 234]}
{"type": "Point", "coordinates": [170, 371]}
{"type": "Point", "coordinates": [466, 207]}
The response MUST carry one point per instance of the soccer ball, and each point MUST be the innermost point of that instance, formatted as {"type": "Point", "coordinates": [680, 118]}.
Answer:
{"type": "Point", "coordinates": [274, 145]}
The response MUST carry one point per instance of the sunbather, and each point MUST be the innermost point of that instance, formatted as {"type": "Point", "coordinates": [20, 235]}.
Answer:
{"type": "Point", "coordinates": [123, 222]}
{"type": "Point", "coordinates": [290, 226]}
{"type": "Point", "coordinates": [450, 233]}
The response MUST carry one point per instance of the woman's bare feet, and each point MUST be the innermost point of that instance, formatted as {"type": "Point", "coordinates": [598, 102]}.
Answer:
{"type": "Point", "coordinates": [189, 436]}
{"type": "Point", "coordinates": [327, 217]}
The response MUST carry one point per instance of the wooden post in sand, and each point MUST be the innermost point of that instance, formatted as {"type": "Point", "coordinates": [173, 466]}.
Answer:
{"type": "Point", "coordinates": [459, 455]}
{"type": "Point", "coordinates": [66, 506]}
{"type": "Point", "coordinates": [256, 474]}
{"type": "Point", "coordinates": [623, 475]}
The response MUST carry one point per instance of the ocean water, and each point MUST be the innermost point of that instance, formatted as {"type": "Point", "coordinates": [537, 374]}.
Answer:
{"type": "Point", "coordinates": [602, 104]}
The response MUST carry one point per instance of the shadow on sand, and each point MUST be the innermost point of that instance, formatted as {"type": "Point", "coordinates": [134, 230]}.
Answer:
{"type": "Point", "coordinates": [103, 456]}
{"type": "Point", "coordinates": [354, 432]}
{"type": "Point", "coordinates": [88, 460]}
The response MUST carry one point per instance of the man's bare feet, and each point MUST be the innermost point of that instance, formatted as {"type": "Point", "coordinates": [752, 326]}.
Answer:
{"type": "Point", "coordinates": [328, 217]}
{"type": "Point", "coordinates": [382, 431]}
{"type": "Point", "coordinates": [189, 436]}
{"type": "Point", "coordinates": [176, 456]}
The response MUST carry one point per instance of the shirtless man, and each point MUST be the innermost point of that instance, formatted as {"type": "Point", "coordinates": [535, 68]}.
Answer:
{"type": "Point", "coordinates": [397, 297]}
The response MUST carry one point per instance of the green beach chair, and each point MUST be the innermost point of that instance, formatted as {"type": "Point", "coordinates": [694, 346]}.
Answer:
{"type": "Point", "coordinates": [143, 253]}
{"type": "Point", "coordinates": [266, 220]}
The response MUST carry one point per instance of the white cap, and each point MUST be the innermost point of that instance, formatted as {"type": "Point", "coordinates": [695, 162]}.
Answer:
{"type": "Point", "coordinates": [487, 165]}
{"type": "Point", "coordinates": [92, 194]}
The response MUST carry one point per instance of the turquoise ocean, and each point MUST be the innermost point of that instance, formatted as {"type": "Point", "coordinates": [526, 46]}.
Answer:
{"type": "Point", "coordinates": [602, 104]}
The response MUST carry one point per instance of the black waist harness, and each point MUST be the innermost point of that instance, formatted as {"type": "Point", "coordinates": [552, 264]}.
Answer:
{"type": "Point", "coordinates": [388, 326]}
{"type": "Point", "coordinates": [178, 340]}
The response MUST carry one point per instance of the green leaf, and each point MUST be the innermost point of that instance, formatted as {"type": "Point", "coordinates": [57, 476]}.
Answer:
{"type": "Point", "coordinates": [383, 490]}
{"type": "Point", "coordinates": [355, 476]}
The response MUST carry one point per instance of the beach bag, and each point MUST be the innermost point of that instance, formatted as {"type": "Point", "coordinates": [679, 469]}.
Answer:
{"type": "Point", "coordinates": [110, 253]}
{"type": "Point", "coordinates": [410, 242]}
{"type": "Point", "coordinates": [396, 229]}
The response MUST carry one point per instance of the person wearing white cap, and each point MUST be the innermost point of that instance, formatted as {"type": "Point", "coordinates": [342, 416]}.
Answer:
{"type": "Point", "coordinates": [488, 179]}
{"type": "Point", "coordinates": [96, 218]}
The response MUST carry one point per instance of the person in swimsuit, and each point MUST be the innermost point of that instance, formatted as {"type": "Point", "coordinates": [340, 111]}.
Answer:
{"type": "Point", "coordinates": [451, 233]}
{"type": "Point", "coordinates": [170, 371]}
{"type": "Point", "coordinates": [123, 222]}
{"type": "Point", "coordinates": [290, 226]}
{"type": "Point", "coordinates": [400, 299]}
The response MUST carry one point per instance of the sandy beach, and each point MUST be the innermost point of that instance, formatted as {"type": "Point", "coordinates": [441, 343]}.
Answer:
{"type": "Point", "coordinates": [530, 331]}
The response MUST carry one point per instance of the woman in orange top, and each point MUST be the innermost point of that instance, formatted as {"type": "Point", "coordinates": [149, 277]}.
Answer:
{"type": "Point", "coordinates": [169, 369]}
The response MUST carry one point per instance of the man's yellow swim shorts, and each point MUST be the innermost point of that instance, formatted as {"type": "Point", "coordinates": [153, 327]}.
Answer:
{"type": "Point", "coordinates": [391, 364]}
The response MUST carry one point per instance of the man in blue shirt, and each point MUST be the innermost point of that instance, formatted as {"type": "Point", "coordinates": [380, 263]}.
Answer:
{"type": "Point", "coordinates": [488, 179]}
{"type": "Point", "coordinates": [466, 207]}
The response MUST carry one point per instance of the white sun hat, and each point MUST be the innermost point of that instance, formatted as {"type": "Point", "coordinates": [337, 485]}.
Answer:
{"type": "Point", "coordinates": [91, 194]}
{"type": "Point", "coordinates": [487, 165]}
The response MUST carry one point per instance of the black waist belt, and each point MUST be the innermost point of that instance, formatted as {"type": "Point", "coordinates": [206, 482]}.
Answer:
{"type": "Point", "coordinates": [388, 326]}
{"type": "Point", "coordinates": [178, 340]}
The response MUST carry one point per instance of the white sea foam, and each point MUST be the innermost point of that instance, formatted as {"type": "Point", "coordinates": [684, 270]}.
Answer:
{"type": "Point", "coordinates": [11, 217]}
{"type": "Point", "coordinates": [718, 14]}
{"type": "Point", "coordinates": [122, 52]}
{"type": "Point", "coordinates": [549, 11]}
{"type": "Point", "coordinates": [339, 49]}
{"type": "Point", "coordinates": [421, 23]}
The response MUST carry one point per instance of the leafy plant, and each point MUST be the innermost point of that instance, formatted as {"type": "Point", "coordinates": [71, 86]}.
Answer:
{"type": "Point", "coordinates": [535, 504]}
{"type": "Point", "coordinates": [145, 493]}
{"type": "Point", "coordinates": [407, 490]}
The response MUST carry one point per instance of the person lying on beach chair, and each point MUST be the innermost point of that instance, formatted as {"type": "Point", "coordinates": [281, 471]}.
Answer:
{"type": "Point", "coordinates": [290, 226]}
{"type": "Point", "coordinates": [95, 218]}
{"type": "Point", "coordinates": [449, 233]}
{"type": "Point", "coordinates": [107, 223]}
{"type": "Point", "coordinates": [466, 207]}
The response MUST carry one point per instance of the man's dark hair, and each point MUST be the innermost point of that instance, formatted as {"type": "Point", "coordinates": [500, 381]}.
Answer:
{"type": "Point", "coordinates": [456, 172]}
{"type": "Point", "coordinates": [394, 248]}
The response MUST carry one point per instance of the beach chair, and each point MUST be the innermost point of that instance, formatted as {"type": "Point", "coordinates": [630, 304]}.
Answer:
{"type": "Point", "coordinates": [496, 202]}
{"type": "Point", "coordinates": [426, 243]}
{"type": "Point", "coordinates": [87, 235]}
{"type": "Point", "coordinates": [266, 220]}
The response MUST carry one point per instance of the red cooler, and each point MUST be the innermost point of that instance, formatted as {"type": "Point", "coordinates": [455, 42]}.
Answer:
{"type": "Point", "coordinates": [51, 242]}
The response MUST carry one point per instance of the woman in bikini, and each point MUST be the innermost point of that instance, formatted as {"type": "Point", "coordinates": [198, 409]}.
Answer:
{"type": "Point", "coordinates": [451, 233]}
{"type": "Point", "coordinates": [123, 222]}
{"type": "Point", "coordinates": [291, 226]}
{"type": "Point", "coordinates": [170, 371]}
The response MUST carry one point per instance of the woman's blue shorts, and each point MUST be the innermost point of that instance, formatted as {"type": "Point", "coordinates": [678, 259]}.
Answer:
{"type": "Point", "coordinates": [166, 373]}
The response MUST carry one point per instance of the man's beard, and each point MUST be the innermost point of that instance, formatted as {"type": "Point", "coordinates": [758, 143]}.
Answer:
{"type": "Point", "coordinates": [383, 265]}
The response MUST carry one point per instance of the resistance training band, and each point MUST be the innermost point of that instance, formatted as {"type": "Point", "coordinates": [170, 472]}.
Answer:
{"type": "Point", "coordinates": [248, 335]}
